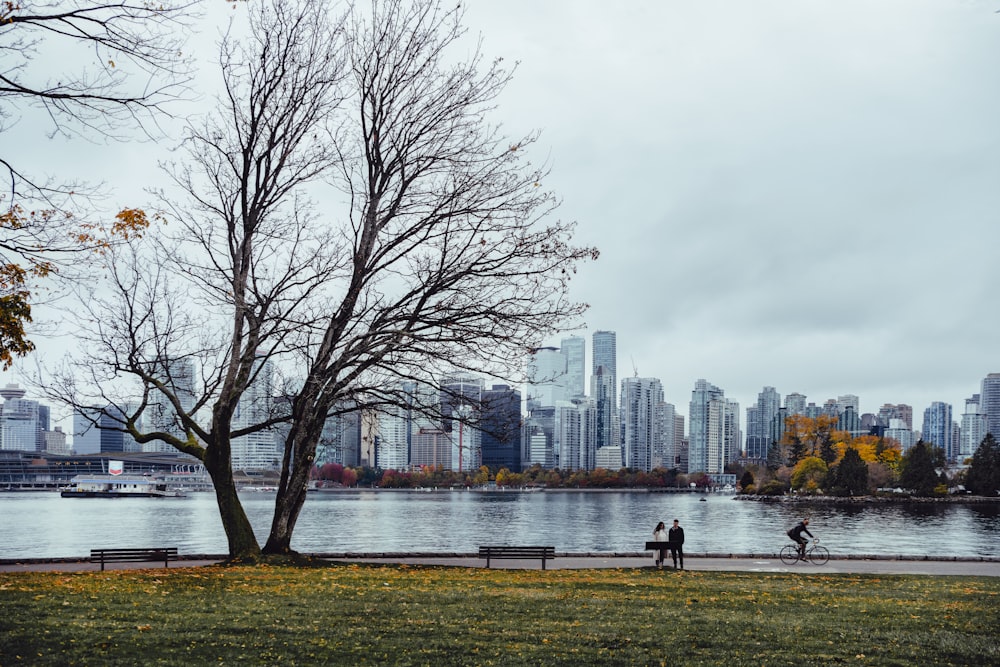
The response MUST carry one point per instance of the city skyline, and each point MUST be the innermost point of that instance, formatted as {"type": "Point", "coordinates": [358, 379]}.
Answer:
{"type": "Point", "coordinates": [771, 208]}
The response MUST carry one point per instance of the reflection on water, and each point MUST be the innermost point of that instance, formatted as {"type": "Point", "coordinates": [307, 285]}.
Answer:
{"type": "Point", "coordinates": [46, 525]}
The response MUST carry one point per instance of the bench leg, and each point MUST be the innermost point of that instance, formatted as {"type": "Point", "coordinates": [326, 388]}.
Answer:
{"type": "Point", "coordinates": [543, 562]}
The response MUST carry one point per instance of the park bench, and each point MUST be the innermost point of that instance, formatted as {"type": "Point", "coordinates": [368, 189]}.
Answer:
{"type": "Point", "coordinates": [518, 553]}
{"type": "Point", "coordinates": [164, 554]}
{"type": "Point", "coordinates": [663, 546]}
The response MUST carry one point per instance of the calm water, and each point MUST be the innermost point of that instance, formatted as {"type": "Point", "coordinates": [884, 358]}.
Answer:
{"type": "Point", "coordinates": [44, 525]}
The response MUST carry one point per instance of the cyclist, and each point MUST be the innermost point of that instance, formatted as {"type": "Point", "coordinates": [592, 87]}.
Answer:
{"type": "Point", "coordinates": [796, 535]}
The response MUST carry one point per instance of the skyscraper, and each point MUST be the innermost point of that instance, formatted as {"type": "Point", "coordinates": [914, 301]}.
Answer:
{"type": "Point", "coordinates": [761, 426]}
{"type": "Point", "coordinates": [795, 404]}
{"type": "Point", "coordinates": [546, 377]}
{"type": "Point", "coordinates": [641, 398]}
{"type": "Point", "coordinates": [713, 427]}
{"type": "Point", "coordinates": [159, 415]}
{"type": "Point", "coordinates": [937, 428]}
{"type": "Point", "coordinates": [574, 350]}
{"type": "Point", "coordinates": [973, 427]}
{"type": "Point", "coordinates": [257, 450]}
{"type": "Point", "coordinates": [20, 426]}
{"type": "Point", "coordinates": [501, 428]}
{"type": "Point", "coordinates": [989, 403]}
{"type": "Point", "coordinates": [603, 382]}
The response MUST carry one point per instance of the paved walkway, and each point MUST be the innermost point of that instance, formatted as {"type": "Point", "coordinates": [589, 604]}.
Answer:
{"type": "Point", "coordinates": [692, 562]}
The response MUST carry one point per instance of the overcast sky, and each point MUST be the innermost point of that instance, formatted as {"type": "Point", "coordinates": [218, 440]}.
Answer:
{"type": "Point", "coordinates": [797, 194]}
{"type": "Point", "coordinates": [790, 193]}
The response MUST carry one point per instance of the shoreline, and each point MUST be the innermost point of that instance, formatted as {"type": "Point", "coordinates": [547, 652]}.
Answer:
{"type": "Point", "coordinates": [871, 500]}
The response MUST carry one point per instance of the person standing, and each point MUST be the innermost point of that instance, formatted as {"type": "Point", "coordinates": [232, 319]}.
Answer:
{"type": "Point", "coordinates": [660, 535]}
{"type": "Point", "coordinates": [675, 537]}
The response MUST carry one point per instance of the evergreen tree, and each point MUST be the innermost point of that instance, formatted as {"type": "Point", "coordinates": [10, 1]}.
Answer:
{"type": "Point", "coordinates": [917, 469]}
{"type": "Point", "coordinates": [775, 456]}
{"type": "Point", "coordinates": [983, 477]}
{"type": "Point", "coordinates": [850, 476]}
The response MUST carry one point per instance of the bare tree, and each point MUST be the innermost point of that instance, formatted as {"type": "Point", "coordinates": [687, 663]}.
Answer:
{"type": "Point", "coordinates": [94, 69]}
{"type": "Point", "coordinates": [431, 252]}
{"type": "Point", "coordinates": [219, 289]}
{"type": "Point", "coordinates": [452, 264]}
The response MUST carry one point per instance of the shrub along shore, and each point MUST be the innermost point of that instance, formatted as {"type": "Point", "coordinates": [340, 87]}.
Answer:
{"type": "Point", "coordinates": [394, 614]}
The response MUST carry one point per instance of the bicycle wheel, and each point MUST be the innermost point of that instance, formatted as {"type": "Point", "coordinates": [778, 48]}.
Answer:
{"type": "Point", "coordinates": [789, 554]}
{"type": "Point", "coordinates": [819, 555]}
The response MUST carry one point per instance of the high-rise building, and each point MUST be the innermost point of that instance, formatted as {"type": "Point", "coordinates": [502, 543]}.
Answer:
{"type": "Point", "coordinates": [20, 425]}
{"type": "Point", "coordinates": [574, 350]}
{"type": "Point", "coordinates": [937, 428]}
{"type": "Point", "coordinates": [569, 432]}
{"type": "Point", "coordinates": [160, 415]}
{"type": "Point", "coordinates": [257, 450]}
{"type": "Point", "coordinates": [539, 437]}
{"type": "Point", "coordinates": [501, 428]}
{"type": "Point", "coordinates": [665, 448]}
{"type": "Point", "coordinates": [973, 429]}
{"type": "Point", "coordinates": [604, 382]}
{"type": "Point", "coordinates": [795, 404]}
{"type": "Point", "coordinates": [898, 430]}
{"type": "Point", "coordinates": [761, 425]}
{"type": "Point", "coordinates": [712, 429]}
{"type": "Point", "coordinates": [848, 401]}
{"type": "Point", "coordinates": [641, 397]}
{"type": "Point", "coordinates": [100, 431]}
{"type": "Point", "coordinates": [989, 403]}
{"type": "Point", "coordinates": [902, 411]}
{"type": "Point", "coordinates": [546, 377]}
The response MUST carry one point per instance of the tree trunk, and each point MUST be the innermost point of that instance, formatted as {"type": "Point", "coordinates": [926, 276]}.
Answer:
{"type": "Point", "coordinates": [239, 533]}
{"type": "Point", "coordinates": [292, 488]}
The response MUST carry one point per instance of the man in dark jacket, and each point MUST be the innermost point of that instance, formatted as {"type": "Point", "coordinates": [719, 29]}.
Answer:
{"type": "Point", "coordinates": [796, 535]}
{"type": "Point", "coordinates": [675, 538]}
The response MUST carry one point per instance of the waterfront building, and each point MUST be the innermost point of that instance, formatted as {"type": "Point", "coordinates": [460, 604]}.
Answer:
{"type": "Point", "coordinates": [56, 443]}
{"type": "Point", "coordinates": [609, 458]}
{"type": "Point", "coordinates": [568, 435]}
{"type": "Point", "coordinates": [901, 433]}
{"type": "Point", "coordinates": [539, 438]}
{"type": "Point", "coordinates": [603, 388]}
{"type": "Point", "coordinates": [902, 411]}
{"type": "Point", "coordinates": [848, 401]}
{"type": "Point", "coordinates": [340, 439]}
{"type": "Point", "coordinates": [465, 438]}
{"type": "Point", "coordinates": [99, 431]}
{"type": "Point", "coordinates": [795, 404]}
{"type": "Point", "coordinates": [258, 450]}
{"type": "Point", "coordinates": [714, 439]}
{"type": "Point", "coordinates": [432, 447]}
{"type": "Point", "coordinates": [937, 428]}
{"type": "Point", "coordinates": [501, 428]}
{"type": "Point", "coordinates": [179, 377]}
{"type": "Point", "coordinates": [392, 441]}
{"type": "Point", "coordinates": [974, 427]}
{"type": "Point", "coordinates": [546, 377]}
{"type": "Point", "coordinates": [641, 398]}
{"type": "Point", "coordinates": [21, 421]}
{"type": "Point", "coordinates": [850, 421]}
{"type": "Point", "coordinates": [762, 424]}
{"type": "Point", "coordinates": [665, 447]}
{"type": "Point", "coordinates": [989, 403]}
{"type": "Point", "coordinates": [459, 392]}
{"type": "Point", "coordinates": [574, 350]}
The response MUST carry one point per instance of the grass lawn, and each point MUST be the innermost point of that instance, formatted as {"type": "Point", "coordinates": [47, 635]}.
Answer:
{"type": "Point", "coordinates": [393, 614]}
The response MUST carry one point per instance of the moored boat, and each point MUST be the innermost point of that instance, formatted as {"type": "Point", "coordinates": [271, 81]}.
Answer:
{"type": "Point", "coordinates": [118, 486]}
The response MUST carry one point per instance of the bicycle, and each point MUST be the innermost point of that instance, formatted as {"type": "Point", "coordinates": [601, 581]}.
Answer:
{"type": "Point", "coordinates": [814, 553]}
